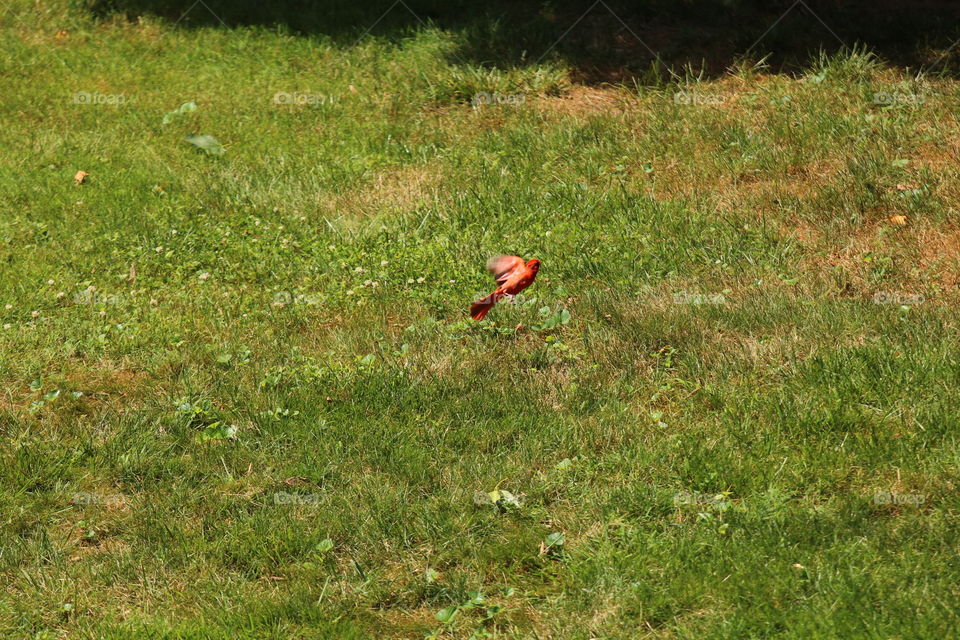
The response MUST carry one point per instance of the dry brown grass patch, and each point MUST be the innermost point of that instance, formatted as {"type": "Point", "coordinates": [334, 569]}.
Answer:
{"type": "Point", "coordinates": [586, 101]}
{"type": "Point", "coordinates": [394, 190]}
{"type": "Point", "coordinates": [926, 256]}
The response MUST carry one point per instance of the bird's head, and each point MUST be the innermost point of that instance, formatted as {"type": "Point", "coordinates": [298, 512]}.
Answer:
{"type": "Point", "coordinates": [534, 265]}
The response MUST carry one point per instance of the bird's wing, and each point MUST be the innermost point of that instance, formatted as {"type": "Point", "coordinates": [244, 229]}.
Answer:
{"type": "Point", "coordinates": [502, 267]}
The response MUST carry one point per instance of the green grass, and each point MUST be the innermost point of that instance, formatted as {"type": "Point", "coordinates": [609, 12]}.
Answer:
{"type": "Point", "coordinates": [276, 350]}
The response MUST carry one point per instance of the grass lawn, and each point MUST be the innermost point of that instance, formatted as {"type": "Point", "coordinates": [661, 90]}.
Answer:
{"type": "Point", "coordinates": [242, 397]}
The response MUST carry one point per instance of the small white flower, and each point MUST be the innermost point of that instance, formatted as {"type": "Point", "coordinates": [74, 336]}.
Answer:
{"type": "Point", "coordinates": [61, 294]}
{"type": "Point", "coordinates": [51, 281]}
{"type": "Point", "coordinates": [204, 275]}
{"type": "Point", "coordinates": [154, 302]}
{"type": "Point", "coordinates": [409, 280]}
{"type": "Point", "coordinates": [158, 249]}
{"type": "Point", "coordinates": [367, 283]}
{"type": "Point", "coordinates": [349, 292]}
{"type": "Point", "coordinates": [8, 306]}
{"type": "Point", "coordinates": [7, 326]}
{"type": "Point", "coordinates": [421, 280]}
{"type": "Point", "coordinates": [359, 270]}
{"type": "Point", "coordinates": [384, 263]}
{"type": "Point", "coordinates": [103, 313]}
{"type": "Point", "coordinates": [34, 314]}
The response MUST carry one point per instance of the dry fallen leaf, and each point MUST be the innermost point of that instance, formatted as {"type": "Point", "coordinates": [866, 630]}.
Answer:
{"type": "Point", "coordinates": [797, 565]}
{"type": "Point", "coordinates": [61, 34]}
{"type": "Point", "coordinates": [906, 187]}
{"type": "Point", "coordinates": [898, 220]}
{"type": "Point", "coordinates": [81, 177]}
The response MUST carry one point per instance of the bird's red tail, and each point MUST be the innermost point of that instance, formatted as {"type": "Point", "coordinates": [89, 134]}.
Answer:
{"type": "Point", "coordinates": [480, 308]}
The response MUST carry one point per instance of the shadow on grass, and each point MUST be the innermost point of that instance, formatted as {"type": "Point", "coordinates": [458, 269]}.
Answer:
{"type": "Point", "coordinates": [608, 40]}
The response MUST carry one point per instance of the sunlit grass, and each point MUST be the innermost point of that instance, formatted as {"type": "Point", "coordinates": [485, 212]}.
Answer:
{"type": "Point", "coordinates": [243, 398]}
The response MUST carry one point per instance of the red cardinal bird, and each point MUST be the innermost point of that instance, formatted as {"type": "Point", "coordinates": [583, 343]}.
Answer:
{"type": "Point", "coordinates": [512, 276]}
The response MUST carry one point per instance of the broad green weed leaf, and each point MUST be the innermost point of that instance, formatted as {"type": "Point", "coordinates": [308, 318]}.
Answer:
{"type": "Point", "coordinates": [218, 431]}
{"type": "Point", "coordinates": [447, 614]}
{"type": "Point", "coordinates": [207, 144]}
{"type": "Point", "coordinates": [555, 540]}
{"type": "Point", "coordinates": [186, 107]}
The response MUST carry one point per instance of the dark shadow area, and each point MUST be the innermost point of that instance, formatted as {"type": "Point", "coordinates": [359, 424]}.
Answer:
{"type": "Point", "coordinates": [608, 40]}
